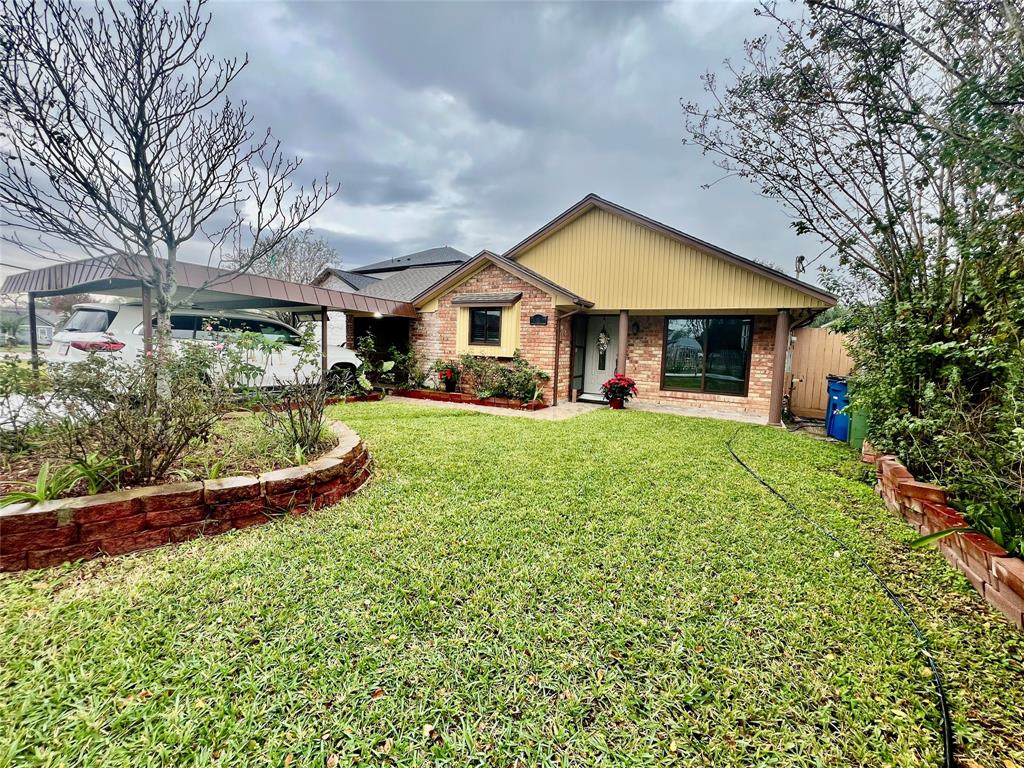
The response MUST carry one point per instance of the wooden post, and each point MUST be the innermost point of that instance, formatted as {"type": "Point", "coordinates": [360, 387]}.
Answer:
{"type": "Point", "coordinates": [147, 321]}
{"type": "Point", "coordinates": [323, 339]}
{"type": "Point", "coordinates": [620, 362]}
{"type": "Point", "coordinates": [33, 342]}
{"type": "Point", "coordinates": [779, 366]}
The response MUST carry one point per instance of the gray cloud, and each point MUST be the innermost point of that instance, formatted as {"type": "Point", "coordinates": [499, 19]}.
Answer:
{"type": "Point", "coordinates": [472, 124]}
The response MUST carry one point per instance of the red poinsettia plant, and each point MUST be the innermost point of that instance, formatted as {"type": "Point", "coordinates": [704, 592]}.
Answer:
{"type": "Point", "coordinates": [618, 389]}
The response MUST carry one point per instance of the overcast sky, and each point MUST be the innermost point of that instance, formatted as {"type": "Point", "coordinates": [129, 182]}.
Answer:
{"type": "Point", "coordinates": [471, 124]}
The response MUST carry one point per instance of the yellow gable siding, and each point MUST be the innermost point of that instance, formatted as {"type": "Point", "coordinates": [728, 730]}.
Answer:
{"type": "Point", "coordinates": [619, 264]}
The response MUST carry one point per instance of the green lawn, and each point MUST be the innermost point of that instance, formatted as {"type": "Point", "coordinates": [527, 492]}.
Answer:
{"type": "Point", "coordinates": [611, 589]}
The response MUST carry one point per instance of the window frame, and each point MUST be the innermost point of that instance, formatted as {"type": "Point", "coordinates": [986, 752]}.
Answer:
{"type": "Point", "coordinates": [703, 373]}
{"type": "Point", "coordinates": [469, 318]}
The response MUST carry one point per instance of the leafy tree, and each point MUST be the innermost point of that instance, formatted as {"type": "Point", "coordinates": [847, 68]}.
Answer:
{"type": "Point", "coordinates": [893, 133]}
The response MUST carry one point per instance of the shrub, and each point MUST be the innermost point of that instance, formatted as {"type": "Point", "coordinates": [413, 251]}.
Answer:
{"type": "Point", "coordinates": [517, 379]}
{"type": "Point", "coordinates": [408, 370]}
{"type": "Point", "coordinates": [109, 406]}
{"type": "Point", "coordinates": [294, 409]}
{"type": "Point", "coordinates": [24, 397]}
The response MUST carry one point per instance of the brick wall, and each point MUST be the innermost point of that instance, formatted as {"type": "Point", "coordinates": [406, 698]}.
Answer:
{"type": "Point", "coordinates": [433, 334]}
{"type": "Point", "coordinates": [643, 363]}
{"type": "Point", "coordinates": [425, 337]}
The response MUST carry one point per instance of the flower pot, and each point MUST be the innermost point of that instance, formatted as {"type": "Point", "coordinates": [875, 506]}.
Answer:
{"type": "Point", "coordinates": [451, 385]}
{"type": "Point", "coordinates": [616, 404]}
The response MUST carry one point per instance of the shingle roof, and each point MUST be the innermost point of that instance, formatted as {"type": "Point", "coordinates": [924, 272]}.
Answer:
{"type": "Point", "coordinates": [357, 281]}
{"type": "Point", "coordinates": [430, 257]}
{"type": "Point", "coordinates": [402, 286]}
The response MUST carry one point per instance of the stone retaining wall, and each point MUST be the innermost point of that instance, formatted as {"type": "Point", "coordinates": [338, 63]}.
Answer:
{"type": "Point", "coordinates": [997, 575]}
{"type": "Point", "coordinates": [83, 527]}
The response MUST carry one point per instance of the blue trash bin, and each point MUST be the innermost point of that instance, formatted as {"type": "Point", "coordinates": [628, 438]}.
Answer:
{"type": "Point", "coordinates": [837, 424]}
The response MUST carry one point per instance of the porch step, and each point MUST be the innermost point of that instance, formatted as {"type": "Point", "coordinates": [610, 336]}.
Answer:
{"type": "Point", "coordinates": [590, 397]}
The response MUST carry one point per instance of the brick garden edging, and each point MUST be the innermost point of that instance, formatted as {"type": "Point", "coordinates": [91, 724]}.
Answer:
{"type": "Point", "coordinates": [82, 527]}
{"type": "Point", "coordinates": [997, 575]}
{"type": "Point", "coordinates": [460, 397]}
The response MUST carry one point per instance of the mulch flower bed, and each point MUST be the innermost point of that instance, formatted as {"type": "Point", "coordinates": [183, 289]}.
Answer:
{"type": "Point", "coordinates": [461, 397]}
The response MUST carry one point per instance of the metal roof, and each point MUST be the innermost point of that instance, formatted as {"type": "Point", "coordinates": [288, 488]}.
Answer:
{"type": "Point", "coordinates": [428, 258]}
{"type": "Point", "coordinates": [208, 287]}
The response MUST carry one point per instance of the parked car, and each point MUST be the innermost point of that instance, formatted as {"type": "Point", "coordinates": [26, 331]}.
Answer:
{"type": "Point", "coordinates": [117, 329]}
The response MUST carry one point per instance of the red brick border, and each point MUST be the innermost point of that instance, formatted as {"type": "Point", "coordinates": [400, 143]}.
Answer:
{"type": "Point", "coordinates": [460, 397]}
{"type": "Point", "coordinates": [41, 535]}
{"type": "Point", "coordinates": [997, 575]}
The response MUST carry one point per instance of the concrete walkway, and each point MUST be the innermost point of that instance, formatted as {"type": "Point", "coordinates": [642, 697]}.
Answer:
{"type": "Point", "coordinates": [564, 411]}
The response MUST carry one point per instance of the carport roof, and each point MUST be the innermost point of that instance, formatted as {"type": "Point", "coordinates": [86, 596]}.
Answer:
{"type": "Point", "coordinates": [211, 287]}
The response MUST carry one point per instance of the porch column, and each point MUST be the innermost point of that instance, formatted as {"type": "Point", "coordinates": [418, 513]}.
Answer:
{"type": "Point", "coordinates": [620, 365]}
{"type": "Point", "coordinates": [779, 366]}
{"type": "Point", "coordinates": [323, 339]}
{"type": "Point", "coordinates": [33, 342]}
{"type": "Point", "coordinates": [147, 320]}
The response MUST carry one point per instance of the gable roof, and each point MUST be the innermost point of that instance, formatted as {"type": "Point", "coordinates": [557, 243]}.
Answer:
{"type": "Point", "coordinates": [481, 260]}
{"type": "Point", "coordinates": [404, 285]}
{"type": "Point", "coordinates": [428, 258]}
{"type": "Point", "coordinates": [592, 202]}
{"type": "Point", "coordinates": [353, 279]}
{"type": "Point", "coordinates": [43, 316]}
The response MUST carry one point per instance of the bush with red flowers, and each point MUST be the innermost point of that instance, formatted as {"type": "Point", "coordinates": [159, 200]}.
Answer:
{"type": "Point", "coordinates": [618, 387]}
{"type": "Point", "coordinates": [448, 374]}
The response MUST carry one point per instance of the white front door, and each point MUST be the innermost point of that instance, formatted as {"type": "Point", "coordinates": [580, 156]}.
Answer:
{"type": "Point", "coordinates": [599, 366]}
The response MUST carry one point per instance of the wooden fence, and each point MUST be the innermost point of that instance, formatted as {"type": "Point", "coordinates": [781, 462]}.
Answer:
{"type": "Point", "coordinates": [817, 353]}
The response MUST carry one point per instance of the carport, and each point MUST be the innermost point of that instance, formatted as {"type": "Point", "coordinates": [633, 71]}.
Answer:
{"type": "Point", "coordinates": [200, 287]}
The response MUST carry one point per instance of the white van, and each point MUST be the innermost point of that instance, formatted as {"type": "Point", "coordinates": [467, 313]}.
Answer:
{"type": "Point", "coordinates": [117, 329]}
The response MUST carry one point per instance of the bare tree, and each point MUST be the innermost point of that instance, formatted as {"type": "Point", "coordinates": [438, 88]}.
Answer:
{"type": "Point", "coordinates": [299, 258]}
{"type": "Point", "coordinates": [119, 141]}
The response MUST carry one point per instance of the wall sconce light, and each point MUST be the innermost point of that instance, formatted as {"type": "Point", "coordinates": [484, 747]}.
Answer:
{"type": "Point", "coordinates": [377, 315]}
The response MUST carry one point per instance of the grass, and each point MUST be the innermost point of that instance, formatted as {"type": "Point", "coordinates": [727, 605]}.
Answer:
{"type": "Point", "coordinates": [611, 589]}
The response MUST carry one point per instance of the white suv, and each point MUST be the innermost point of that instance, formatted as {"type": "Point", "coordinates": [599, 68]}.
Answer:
{"type": "Point", "coordinates": [117, 329]}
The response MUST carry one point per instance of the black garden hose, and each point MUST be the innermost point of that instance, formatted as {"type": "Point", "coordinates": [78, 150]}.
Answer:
{"type": "Point", "coordinates": [922, 641]}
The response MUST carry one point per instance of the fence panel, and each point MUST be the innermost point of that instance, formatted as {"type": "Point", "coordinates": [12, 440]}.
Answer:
{"type": "Point", "coordinates": [817, 353]}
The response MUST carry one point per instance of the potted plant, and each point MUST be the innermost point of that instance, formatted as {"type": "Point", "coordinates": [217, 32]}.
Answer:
{"type": "Point", "coordinates": [617, 390]}
{"type": "Point", "coordinates": [448, 374]}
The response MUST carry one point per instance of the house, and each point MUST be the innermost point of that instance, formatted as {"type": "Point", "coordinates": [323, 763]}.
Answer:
{"type": "Point", "coordinates": [400, 278]}
{"type": "Point", "coordinates": [14, 322]}
{"type": "Point", "coordinates": [602, 289]}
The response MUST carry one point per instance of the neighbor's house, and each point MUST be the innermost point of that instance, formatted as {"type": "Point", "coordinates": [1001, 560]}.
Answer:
{"type": "Point", "coordinates": [601, 289]}
{"type": "Point", "coordinates": [17, 319]}
{"type": "Point", "coordinates": [400, 278]}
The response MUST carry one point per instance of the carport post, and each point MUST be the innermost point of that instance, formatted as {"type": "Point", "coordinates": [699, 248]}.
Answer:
{"type": "Point", "coordinates": [33, 342]}
{"type": "Point", "coordinates": [147, 321]}
{"type": "Point", "coordinates": [323, 339]}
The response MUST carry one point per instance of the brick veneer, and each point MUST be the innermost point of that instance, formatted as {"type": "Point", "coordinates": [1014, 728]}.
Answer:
{"type": "Point", "coordinates": [80, 528]}
{"type": "Point", "coordinates": [432, 334]}
{"type": "Point", "coordinates": [643, 363]}
{"type": "Point", "coordinates": [992, 571]}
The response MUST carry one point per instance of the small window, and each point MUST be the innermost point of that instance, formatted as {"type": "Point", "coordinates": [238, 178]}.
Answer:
{"type": "Point", "coordinates": [182, 327]}
{"type": "Point", "coordinates": [485, 326]}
